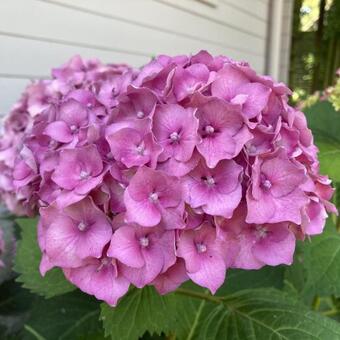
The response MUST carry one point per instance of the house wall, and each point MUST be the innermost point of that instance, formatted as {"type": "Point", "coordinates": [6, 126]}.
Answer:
{"type": "Point", "coordinates": [36, 35]}
{"type": "Point", "coordinates": [286, 37]}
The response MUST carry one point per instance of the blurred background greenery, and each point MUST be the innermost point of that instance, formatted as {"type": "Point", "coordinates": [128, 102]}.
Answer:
{"type": "Point", "coordinates": [315, 50]}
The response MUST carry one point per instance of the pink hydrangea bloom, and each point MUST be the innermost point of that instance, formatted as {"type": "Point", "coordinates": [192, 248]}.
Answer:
{"type": "Point", "coordinates": [217, 191]}
{"type": "Point", "coordinates": [153, 196]}
{"type": "Point", "coordinates": [179, 170]}
{"type": "Point", "coordinates": [172, 278]}
{"type": "Point", "coordinates": [175, 129]}
{"type": "Point", "coordinates": [206, 256]}
{"type": "Point", "coordinates": [259, 244]}
{"type": "Point", "coordinates": [74, 233]}
{"type": "Point", "coordinates": [275, 194]}
{"type": "Point", "coordinates": [143, 252]}
{"type": "Point", "coordinates": [100, 277]}
{"type": "Point", "coordinates": [222, 130]}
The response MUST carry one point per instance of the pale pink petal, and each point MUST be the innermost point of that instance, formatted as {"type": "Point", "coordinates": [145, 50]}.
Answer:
{"type": "Point", "coordinates": [125, 247]}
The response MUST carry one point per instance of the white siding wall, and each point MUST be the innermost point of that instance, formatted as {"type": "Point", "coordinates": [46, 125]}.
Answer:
{"type": "Point", "coordinates": [36, 35]}
{"type": "Point", "coordinates": [287, 21]}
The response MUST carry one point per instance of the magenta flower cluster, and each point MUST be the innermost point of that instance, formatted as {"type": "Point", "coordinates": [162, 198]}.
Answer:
{"type": "Point", "coordinates": [179, 170]}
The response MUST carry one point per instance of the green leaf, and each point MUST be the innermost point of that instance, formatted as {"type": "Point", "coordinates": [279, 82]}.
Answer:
{"type": "Point", "coordinates": [295, 275]}
{"type": "Point", "coordinates": [259, 314]}
{"type": "Point", "coordinates": [316, 266]}
{"type": "Point", "coordinates": [325, 124]}
{"type": "Point", "coordinates": [322, 263]}
{"type": "Point", "coordinates": [330, 162]}
{"type": "Point", "coordinates": [238, 279]}
{"type": "Point", "coordinates": [27, 265]}
{"type": "Point", "coordinates": [139, 311]}
{"type": "Point", "coordinates": [193, 313]}
{"type": "Point", "coordinates": [71, 316]}
{"type": "Point", "coordinates": [268, 314]}
{"type": "Point", "coordinates": [148, 336]}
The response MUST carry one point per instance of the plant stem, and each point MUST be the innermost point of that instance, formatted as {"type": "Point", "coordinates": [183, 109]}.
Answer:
{"type": "Point", "coordinates": [316, 303]}
{"type": "Point", "coordinates": [34, 333]}
{"type": "Point", "coordinates": [198, 295]}
{"type": "Point", "coordinates": [330, 312]}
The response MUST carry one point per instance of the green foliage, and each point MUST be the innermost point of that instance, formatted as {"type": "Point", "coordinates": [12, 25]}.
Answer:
{"type": "Point", "coordinates": [316, 267]}
{"type": "Point", "coordinates": [307, 50]}
{"type": "Point", "coordinates": [322, 263]}
{"type": "Point", "coordinates": [238, 279]}
{"type": "Point", "coordinates": [14, 308]}
{"type": "Point", "coordinates": [264, 314]}
{"type": "Point", "coordinates": [144, 310]}
{"type": "Point", "coordinates": [256, 313]}
{"type": "Point", "coordinates": [325, 124]}
{"type": "Point", "coordinates": [27, 265]}
{"type": "Point", "coordinates": [295, 275]}
{"type": "Point", "coordinates": [139, 311]}
{"type": "Point", "coordinates": [71, 316]}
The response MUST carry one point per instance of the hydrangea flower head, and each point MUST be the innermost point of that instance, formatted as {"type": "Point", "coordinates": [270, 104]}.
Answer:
{"type": "Point", "coordinates": [179, 170]}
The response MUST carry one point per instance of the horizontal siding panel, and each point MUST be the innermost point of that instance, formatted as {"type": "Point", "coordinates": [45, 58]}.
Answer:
{"type": "Point", "coordinates": [10, 89]}
{"type": "Point", "coordinates": [173, 20]}
{"type": "Point", "coordinates": [255, 8]}
{"type": "Point", "coordinates": [223, 14]}
{"type": "Point", "coordinates": [48, 21]}
{"type": "Point", "coordinates": [34, 58]}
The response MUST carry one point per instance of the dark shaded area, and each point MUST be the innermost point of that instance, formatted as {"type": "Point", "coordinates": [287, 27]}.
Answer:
{"type": "Point", "coordinates": [315, 54]}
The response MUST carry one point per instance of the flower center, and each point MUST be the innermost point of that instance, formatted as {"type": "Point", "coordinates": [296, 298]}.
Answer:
{"type": "Point", "coordinates": [103, 262]}
{"type": "Point", "coordinates": [209, 181]}
{"type": "Point", "coordinates": [84, 174]}
{"type": "Point", "coordinates": [82, 226]}
{"type": "Point", "coordinates": [209, 129]}
{"type": "Point", "coordinates": [174, 136]}
{"type": "Point", "coordinates": [73, 128]}
{"type": "Point", "coordinates": [252, 149]}
{"type": "Point", "coordinates": [201, 247]}
{"type": "Point", "coordinates": [261, 232]}
{"type": "Point", "coordinates": [140, 114]}
{"type": "Point", "coordinates": [153, 197]}
{"type": "Point", "coordinates": [266, 184]}
{"type": "Point", "coordinates": [109, 155]}
{"type": "Point", "coordinates": [144, 241]}
{"type": "Point", "coordinates": [52, 143]}
{"type": "Point", "coordinates": [140, 149]}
